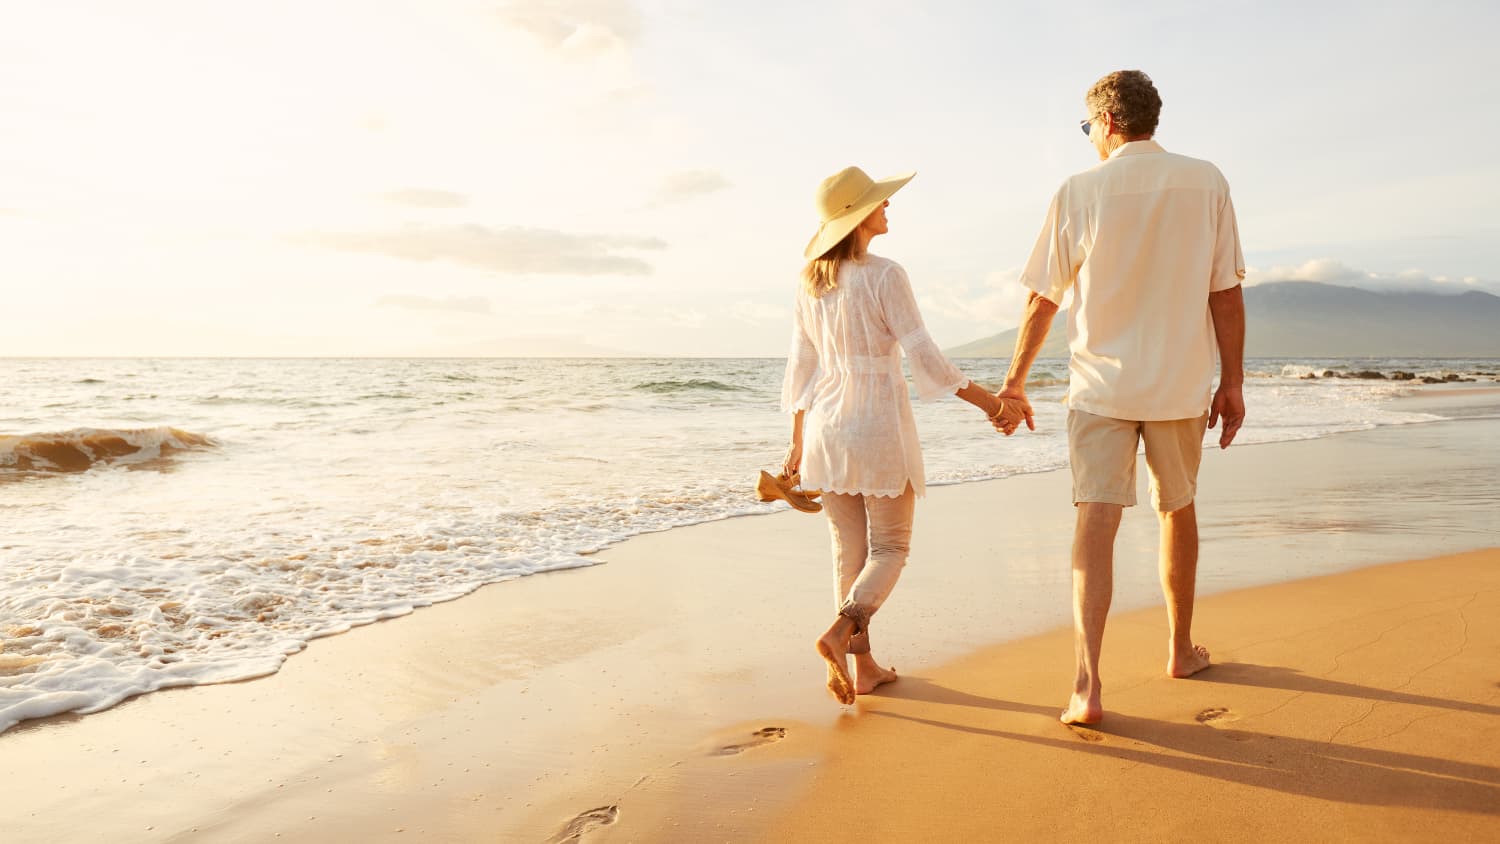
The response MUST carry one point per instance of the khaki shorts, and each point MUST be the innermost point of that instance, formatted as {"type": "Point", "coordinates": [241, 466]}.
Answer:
{"type": "Point", "coordinates": [1102, 451]}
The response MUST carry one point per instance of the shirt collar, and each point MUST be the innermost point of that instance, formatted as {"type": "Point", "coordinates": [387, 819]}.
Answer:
{"type": "Point", "coordinates": [1137, 148]}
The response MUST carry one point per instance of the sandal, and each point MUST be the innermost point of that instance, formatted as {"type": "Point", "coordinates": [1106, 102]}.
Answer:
{"type": "Point", "coordinates": [783, 487]}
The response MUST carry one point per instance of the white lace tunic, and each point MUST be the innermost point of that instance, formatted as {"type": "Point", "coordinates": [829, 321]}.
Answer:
{"type": "Point", "coordinates": [845, 371]}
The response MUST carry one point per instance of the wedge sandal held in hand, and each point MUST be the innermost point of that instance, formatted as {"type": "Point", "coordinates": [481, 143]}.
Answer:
{"type": "Point", "coordinates": [784, 487]}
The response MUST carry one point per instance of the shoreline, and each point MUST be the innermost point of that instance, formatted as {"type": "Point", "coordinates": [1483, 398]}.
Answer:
{"type": "Point", "coordinates": [526, 704]}
{"type": "Point", "coordinates": [1446, 397]}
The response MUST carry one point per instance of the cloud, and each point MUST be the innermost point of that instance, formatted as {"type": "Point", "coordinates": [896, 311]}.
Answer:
{"type": "Point", "coordinates": [511, 249]}
{"type": "Point", "coordinates": [465, 304]}
{"type": "Point", "coordinates": [684, 317]}
{"type": "Point", "coordinates": [996, 302]}
{"type": "Point", "coordinates": [583, 28]}
{"type": "Point", "coordinates": [688, 184]}
{"type": "Point", "coordinates": [427, 198]}
{"type": "Point", "coordinates": [759, 313]}
{"type": "Point", "coordinates": [534, 345]}
{"type": "Point", "coordinates": [1329, 271]}
{"type": "Point", "coordinates": [643, 317]}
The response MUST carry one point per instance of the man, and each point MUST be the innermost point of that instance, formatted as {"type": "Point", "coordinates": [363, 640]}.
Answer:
{"type": "Point", "coordinates": [1147, 242]}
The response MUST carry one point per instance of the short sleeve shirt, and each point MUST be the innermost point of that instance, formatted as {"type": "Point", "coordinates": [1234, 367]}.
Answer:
{"type": "Point", "coordinates": [1141, 240]}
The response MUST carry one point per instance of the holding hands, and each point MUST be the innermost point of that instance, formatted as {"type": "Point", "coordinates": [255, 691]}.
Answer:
{"type": "Point", "coordinates": [1006, 410]}
{"type": "Point", "coordinates": [1007, 413]}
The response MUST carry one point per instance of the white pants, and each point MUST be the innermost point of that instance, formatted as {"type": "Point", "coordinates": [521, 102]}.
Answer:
{"type": "Point", "coordinates": [871, 540]}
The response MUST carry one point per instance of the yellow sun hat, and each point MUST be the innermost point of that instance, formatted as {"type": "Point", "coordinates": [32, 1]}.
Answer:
{"type": "Point", "coordinates": [844, 200]}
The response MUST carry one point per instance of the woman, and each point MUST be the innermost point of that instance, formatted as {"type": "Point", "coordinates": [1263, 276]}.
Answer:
{"type": "Point", "coordinates": [853, 434]}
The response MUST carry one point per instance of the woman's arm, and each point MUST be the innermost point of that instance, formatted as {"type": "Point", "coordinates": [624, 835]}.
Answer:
{"type": "Point", "coordinates": [801, 371]}
{"type": "Point", "coordinates": [793, 462]}
{"type": "Point", "coordinates": [934, 374]}
{"type": "Point", "coordinates": [1005, 416]}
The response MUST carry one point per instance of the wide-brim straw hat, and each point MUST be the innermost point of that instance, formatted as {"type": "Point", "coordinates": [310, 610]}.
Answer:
{"type": "Point", "coordinates": [844, 200]}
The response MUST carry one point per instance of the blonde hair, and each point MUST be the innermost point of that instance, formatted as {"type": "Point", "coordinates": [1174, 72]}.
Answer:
{"type": "Point", "coordinates": [821, 275]}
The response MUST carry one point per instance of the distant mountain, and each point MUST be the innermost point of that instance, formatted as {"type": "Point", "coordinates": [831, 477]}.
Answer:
{"type": "Point", "coordinates": [1003, 345]}
{"type": "Point", "coordinates": [1304, 319]}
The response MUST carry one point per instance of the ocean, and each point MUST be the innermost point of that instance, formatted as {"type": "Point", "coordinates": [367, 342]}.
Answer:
{"type": "Point", "coordinates": [173, 522]}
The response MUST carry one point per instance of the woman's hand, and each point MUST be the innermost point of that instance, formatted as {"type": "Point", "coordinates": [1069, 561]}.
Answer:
{"type": "Point", "coordinates": [1008, 416]}
{"type": "Point", "coordinates": [1015, 397]}
{"type": "Point", "coordinates": [792, 463]}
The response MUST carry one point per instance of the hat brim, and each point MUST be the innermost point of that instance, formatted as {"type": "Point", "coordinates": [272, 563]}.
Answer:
{"type": "Point", "coordinates": [834, 230]}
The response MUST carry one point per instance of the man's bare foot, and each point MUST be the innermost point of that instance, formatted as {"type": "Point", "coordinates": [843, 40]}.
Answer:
{"type": "Point", "coordinates": [1188, 663]}
{"type": "Point", "coordinates": [1082, 709]}
{"type": "Point", "coordinates": [833, 646]}
{"type": "Point", "coordinates": [870, 675]}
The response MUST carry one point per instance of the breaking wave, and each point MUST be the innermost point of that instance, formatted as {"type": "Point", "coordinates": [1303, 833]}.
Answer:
{"type": "Point", "coordinates": [82, 449]}
{"type": "Point", "coordinates": [687, 386]}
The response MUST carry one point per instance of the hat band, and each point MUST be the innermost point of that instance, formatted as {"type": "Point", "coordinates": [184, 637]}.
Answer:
{"type": "Point", "coordinates": [855, 203]}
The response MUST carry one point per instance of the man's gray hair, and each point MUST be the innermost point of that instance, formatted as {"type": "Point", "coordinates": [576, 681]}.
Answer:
{"type": "Point", "coordinates": [1130, 97]}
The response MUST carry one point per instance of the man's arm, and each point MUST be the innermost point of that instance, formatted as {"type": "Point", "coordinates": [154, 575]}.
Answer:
{"type": "Point", "coordinates": [1228, 310]}
{"type": "Point", "coordinates": [1035, 323]}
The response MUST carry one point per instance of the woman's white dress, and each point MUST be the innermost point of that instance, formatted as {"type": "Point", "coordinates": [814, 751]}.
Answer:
{"type": "Point", "coordinates": [844, 369]}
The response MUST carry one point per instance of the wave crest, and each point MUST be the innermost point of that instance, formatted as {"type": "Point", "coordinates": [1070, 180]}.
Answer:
{"type": "Point", "coordinates": [82, 449]}
{"type": "Point", "coordinates": [686, 386]}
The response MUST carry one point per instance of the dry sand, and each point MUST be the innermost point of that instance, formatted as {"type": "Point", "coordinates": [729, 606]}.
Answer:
{"type": "Point", "coordinates": [1362, 706]}
{"type": "Point", "coordinates": [673, 694]}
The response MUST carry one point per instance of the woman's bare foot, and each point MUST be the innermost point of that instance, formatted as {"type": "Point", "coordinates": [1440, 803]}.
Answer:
{"type": "Point", "coordinates": [833, 646]}
{"type": "Point", "coordinates": [1187, 663]}
{"type": "Point", "coordinates": [869, 674]}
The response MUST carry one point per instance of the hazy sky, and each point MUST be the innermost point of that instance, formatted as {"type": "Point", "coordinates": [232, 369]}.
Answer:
{"type": "Point", "coordinates": [392, 178]}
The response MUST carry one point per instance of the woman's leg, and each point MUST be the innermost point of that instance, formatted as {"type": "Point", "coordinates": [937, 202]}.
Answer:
{"type": "Point", "coordinates": [847, 527]}
{"type": "Point", "coordinates": [890, 521]}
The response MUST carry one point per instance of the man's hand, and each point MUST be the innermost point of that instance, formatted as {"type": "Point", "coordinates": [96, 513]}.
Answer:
{"type": "Point", "coordinates": [1016, 397]}
{"type": "Point", "coordinates": [1229, 405]}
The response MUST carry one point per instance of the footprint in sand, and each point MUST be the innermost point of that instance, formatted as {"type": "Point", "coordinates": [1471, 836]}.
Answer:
{"type": "Point", "coordinates": [764, 735]}
{"type": "Point", "coordinates": [592, 819]}
{"type": "Point", "coordinates": [1215, 715]}
{"type": "Point", "coordinates": [1085, 733]}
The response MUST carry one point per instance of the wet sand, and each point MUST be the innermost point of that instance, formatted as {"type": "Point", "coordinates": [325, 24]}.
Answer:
{"type": "Point", "coordinates": [673, 694]}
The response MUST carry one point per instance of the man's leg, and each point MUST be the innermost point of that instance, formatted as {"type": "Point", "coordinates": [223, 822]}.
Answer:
{"type": "Point", "coordinates": [1101, 451]}
{"type": "Point", "coordinates": [1179, 579]}
{"type": "Point", "coordinates": [1174, 450]}
{"type": "Point", "coordinates": [1093, 588]}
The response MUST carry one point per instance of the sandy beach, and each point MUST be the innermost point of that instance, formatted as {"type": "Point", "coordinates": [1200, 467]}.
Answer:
{"type": "Point", "coordinates": [1356, 707]}
{"type": "Point", "coordinates": [1351, 597]}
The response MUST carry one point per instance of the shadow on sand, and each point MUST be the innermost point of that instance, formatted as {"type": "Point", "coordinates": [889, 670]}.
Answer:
{"type": "Point", "coordinates": [1343, 773]}
{"type": "Point", "coordinates": [1292, 680]}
